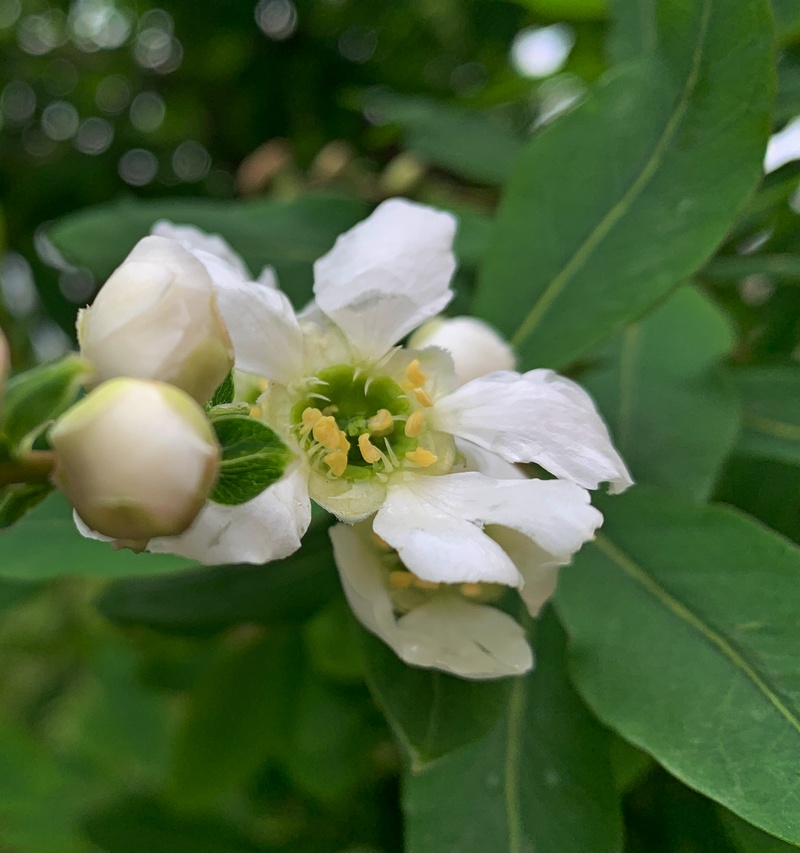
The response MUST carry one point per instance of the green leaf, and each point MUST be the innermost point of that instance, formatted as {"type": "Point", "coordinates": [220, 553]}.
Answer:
{"type": "Point", "coordinates": [39, 395]}
{"type": "Point", "coordinates": [673, 416]}
{"type": "Point", "coordinates": [224, 394]}
{"type": "Point", "coordinates": [748, 839]}
{"type": "Point", "coordinates": [289, 235]}
{"type": "Point", "coordinates": [625, 196]}
{"type": "Point", "coordinates": [771, 399]}
{"type": "Point", "coordinates": [18, 500]}
{"type": "Point", "coordinates": [206, 600]}
{"type": "Point", "coordinates": [539, 780]}
{"type": "Point", "coordinates": [331, 643]}
{"type": "Point", "coordinates": [46, 544]}
{"type": "Point", "coordinates": [240, 713]}
{"type": "Point", "coordinates": [141, 823]}
{"type": "Point", "coordinates": [419, 703]}
{"type": "Point", "coordinates": [731, 269]}
{"type": "Point", "coordinates": [476, 146]}
{"type": "Point", "coordinates": [684, 630]}
{"type": "Point", "coordinates": [13, 592]}
{"type": "Point", "coordinates": [253, 458]}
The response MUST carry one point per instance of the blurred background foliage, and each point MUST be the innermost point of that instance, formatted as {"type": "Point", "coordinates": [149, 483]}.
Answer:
{"type": "Point", "coordinates": [144, 716]}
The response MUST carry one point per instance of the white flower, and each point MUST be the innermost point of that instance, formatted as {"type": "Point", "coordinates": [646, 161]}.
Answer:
{"type": "Point", "coordinates": [156, 318]}
{"type": "Point", "coordinates": [136, 459]}
{"type": "Point", "coordinates": [378, 428]}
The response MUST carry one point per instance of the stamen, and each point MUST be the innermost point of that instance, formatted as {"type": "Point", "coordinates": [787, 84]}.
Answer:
{"type": "Point", "coordinates": [327, 433]}
{"type": "Point", "coordinates": [344, 444]}
{"type": "Point", "coordinates": [420, 456]}
{"type": "Point", "coordinates": [471, 590]}
{"type": "Point", "coordinates": [381, 422]}
{"type": "Point", "coordinates": [422, 398]}
{"type": "Point", "coordinates": [310, 417]}
{"type": "Point", "coordinates": [255, 412]}
{"type": "Point", "coordinates": [415, 374]}
{"type": "Point", "coordinates": [415, 424]}
{"type": "Point", "coordinates": [368, 451]}
{"type": "Point", "coordinates": [337, 462]}
{"type": "Point", "coordinates": [401, 580]}
{"type": "Point", "coordinates": [407, 385]}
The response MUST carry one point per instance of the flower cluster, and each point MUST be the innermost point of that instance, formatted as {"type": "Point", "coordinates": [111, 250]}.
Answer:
{"type": "Point", "coordinates": [416, 449]}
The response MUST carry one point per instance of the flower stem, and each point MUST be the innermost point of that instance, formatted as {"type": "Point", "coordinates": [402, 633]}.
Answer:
{"type": "Point", "coordinates": [33, 467]}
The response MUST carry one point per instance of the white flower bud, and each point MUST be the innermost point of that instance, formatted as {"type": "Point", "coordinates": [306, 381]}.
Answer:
{"type": "Point", "coordinates": [476, 348]}
{"type": "Point", "coordinates": [156, 318]}
{"type": "Point", "coordinates": [136, 459]}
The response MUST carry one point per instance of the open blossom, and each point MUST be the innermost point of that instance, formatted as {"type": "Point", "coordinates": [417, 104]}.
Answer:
{"type": "Point", "coordinates": [378, 429]}
{"type": "Point", "coordinates": [136, 459]}
{"type": "Point", "coordinates": [156, 318]}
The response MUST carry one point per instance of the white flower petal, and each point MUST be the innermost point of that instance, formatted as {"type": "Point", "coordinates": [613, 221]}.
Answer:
{"type": "Point", "coordinates": [537, 417]}
{"type": "Point", "coordinates": [269, 527]}
{"type": "Point", "coordinates": [469, 640]}
{"type": "Point", "coordinates": [435, 524]}
{"type": "Point", "coordinates": [388, 274]}
{"type": "Point", "coordinates": [266, 336]}
{"type": "Point", "coordinates": [194, 239]}
{"type": "Point", "coordinates": [478, 459]}
{"type": "Point", "coordinates": [475, 347]}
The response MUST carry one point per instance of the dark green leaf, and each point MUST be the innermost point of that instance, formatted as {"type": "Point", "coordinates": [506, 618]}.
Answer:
{"type": "Point", "coordinates": [748, 839]}
{"type": "Point", "coordinates": [684, 629]}
{"type": "Point", "coordinates": [19, 499]}
{"type": "Point", "coordinates": [473, 145]}
{"type": "Point", "coordinates": [41, 394]}
{"type": "Point", "coordinates": [46, 544]}
{"type": "Point", "coordinates": [253, 458]}
{"type": "Point", "coordinates": [13, 592]}
{"type": "Point", "coordinates": [732, 269]}
{"type": "Point", "coordinates": [579, 247]}
{"type": "Point", "coordinates": [539, 780]}
{"type": "Point", "coordinates": [672, 415]}
{"type": "Point", "coordinates": [419, 703]}
{"type": "Point", "coordinates": [212, 599]}
{"type": "Point", "coordinates": [289, 235]}
{"type": "Point", "coordinates": [771, 399]}
{"type": "Point", "coordinates": [331, 643]}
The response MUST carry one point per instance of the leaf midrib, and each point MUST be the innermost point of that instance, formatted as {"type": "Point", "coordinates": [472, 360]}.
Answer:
{"type": "Point", "coordinates": [678, 609]}
{"type": "Point", "coordinates": [615, 214]}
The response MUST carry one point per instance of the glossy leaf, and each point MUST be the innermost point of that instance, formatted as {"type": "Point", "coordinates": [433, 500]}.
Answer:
{"type": "Point", "coordinates": [684, 630]}
{"type": "Point", "coordinates": [748, 839]}
{"type": "Point", "coordinates": [539, 780]}
{"type": "Point", "coordinates": [673, 416]}
{"type": "Point", "coordinates": [420, 703]}
{"type": "Point", "coordinates": [46, 544]}
{"type": "Point", "coordinates": [580, 248]}
{"type": "Point", "coordinates": [771, 400]}
{"type": "Point", "coordinates": [206, 600]}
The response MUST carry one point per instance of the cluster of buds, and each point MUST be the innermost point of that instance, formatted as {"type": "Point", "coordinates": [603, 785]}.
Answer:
{"type": "Point", "coordinates": [138, 457]}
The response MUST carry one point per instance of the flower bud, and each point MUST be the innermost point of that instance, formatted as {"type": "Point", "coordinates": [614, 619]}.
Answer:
{"type": "Point", "coordinates": [156, 318]}
{"type": "Point", "coordinates": [136, 459]}
{"type": "Point", "coordinates": [476, 348]}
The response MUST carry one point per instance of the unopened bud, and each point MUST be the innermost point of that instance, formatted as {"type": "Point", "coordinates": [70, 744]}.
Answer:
{"type": "Point", "coordinates": [476, 348]}
{"type": "Point", "coordinates": [136, 459]}
{"type": "Point", "coordinates": [156, 318]}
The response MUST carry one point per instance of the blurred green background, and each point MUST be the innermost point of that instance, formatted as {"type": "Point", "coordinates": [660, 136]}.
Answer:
{"type": "Point", "coordinates": [141, 725]}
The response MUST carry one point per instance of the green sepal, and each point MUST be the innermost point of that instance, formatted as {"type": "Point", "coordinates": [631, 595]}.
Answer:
{"type": "Point", "coordinates": [225, 410]}
{"type": "Point", "coordinates": [40, 395]}
{"type": "Point", "coordinates": [224, 393]}
{"type": "Point", "coordinates": [17, 500]}
{"type": "Point", "coordinates": [253, 458]}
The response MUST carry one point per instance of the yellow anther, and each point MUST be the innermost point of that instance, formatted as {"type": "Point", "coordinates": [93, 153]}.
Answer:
{"type": "Point", "coordinates": [337, 462]}
{"type": "Point", "coordinates": [310, 417]}
{"type": "Point", "coordinates": [330, 410]}
{"type": "Point", "coordinates": [381, 543]}
{"type": "Point", "coordinates": [263, 384]}
{"type": "Point", "coordinates": [415, 375]}
{"type": "Point", "coordinates": [407, 385]}
{"type": "Point", "coordinates": [381, 421]}
{"type": "Point", "coordinates": [368, 450]}
{"type": "Point", "coordinates": [327, 433]}
{"type": "Point", "coordinates": [472, 590]}
{"type": "Point", "coordinates": [420, 583]}
{"type": "Point", "coordinates": [255, 412]}
{"type": "Point", "coordinates": [422, 397]}
{"type": "Point", "coordinates": [401, 580]}
{"type": "Point", "coordinates": [421, 457]}
{"type": "Point", "coordinates": [344, 444]}
{"type": "Point", "coordinates": [415, 424]}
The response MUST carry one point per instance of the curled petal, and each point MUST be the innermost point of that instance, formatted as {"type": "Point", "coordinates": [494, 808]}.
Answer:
{"type": "Point", "coordinates": [197, 241]}
{"type": "Point", "coordinates": [447, 633]}
{"type": "Point", "coordinates": [436, 524]}
{"type": "Point", "coordinates": [536, 417]}
{"type": "Point", "coordinates": [475, 347]}
{"type": "Point", "coordinates": [388, 274]}
{"type": "Point", "coordinates": [269, 527]}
